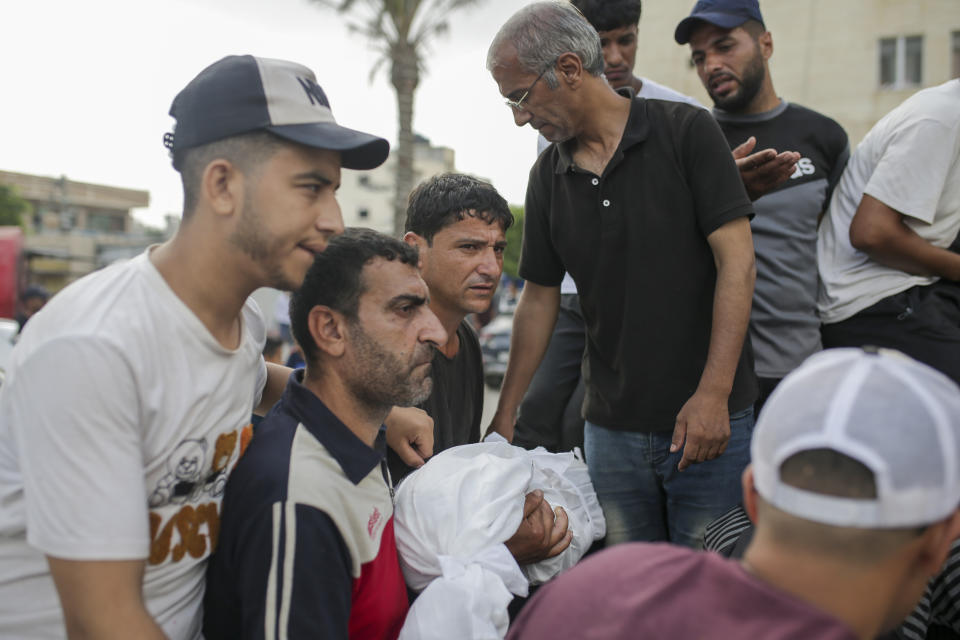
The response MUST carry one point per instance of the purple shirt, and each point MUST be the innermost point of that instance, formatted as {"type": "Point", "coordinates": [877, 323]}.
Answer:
{"type": "Point", "coordinates": [643, 590]}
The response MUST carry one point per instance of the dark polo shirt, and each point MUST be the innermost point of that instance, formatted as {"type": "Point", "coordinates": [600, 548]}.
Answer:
{"type": "Point", "coordinates": [635, 241]}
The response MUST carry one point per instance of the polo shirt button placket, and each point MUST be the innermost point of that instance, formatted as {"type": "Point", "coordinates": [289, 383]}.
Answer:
{"type": "Point", "coordinates": [595, 182]}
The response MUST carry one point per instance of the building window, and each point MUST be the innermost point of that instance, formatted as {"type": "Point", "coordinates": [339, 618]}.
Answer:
{"type": "Point", "coordinates": [363, 214]}
{"type": "Point", "coordinates": [105, 222]}
{"type": "Point", "coordinates": [901, 62]}
{"type": "Point", "coordinates": [955, 50]}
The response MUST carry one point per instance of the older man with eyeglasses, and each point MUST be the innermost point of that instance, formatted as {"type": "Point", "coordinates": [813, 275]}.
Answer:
{"type": "Point", "coordinates": [641, 202]}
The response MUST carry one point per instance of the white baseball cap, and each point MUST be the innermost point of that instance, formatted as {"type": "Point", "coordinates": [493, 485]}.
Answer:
{"type": "Point", "coordinates": [898, 417]}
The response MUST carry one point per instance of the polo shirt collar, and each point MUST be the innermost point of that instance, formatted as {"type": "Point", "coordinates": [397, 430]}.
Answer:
{"type": "Point", "coordinates": [636, 131]}
{"type": "Point", "coordinates": [352, 454]}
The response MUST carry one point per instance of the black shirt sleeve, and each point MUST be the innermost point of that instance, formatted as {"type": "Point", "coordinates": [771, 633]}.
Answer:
{"type": "Point", "coordinates": [471, 342]}
{"type": "Point", "coordinates": [539, 261]}
{"type": "Point", "coordinates": [712, 175]}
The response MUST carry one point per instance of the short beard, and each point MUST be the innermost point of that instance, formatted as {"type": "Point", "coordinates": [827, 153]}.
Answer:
{"type": "Point", "coordinates": [251, 239]}
{"type": "Point", "coordinates": [379, 379]}
{"type": "Point", "coordinates": [750, 85]}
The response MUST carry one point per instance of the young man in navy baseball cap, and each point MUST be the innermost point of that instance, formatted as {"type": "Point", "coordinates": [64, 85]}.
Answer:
{"type": "Point", "coordinates": [127, 401]}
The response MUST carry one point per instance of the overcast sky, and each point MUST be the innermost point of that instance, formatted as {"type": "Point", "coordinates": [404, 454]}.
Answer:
{"type": "Point", "coordinates": [87, 85]}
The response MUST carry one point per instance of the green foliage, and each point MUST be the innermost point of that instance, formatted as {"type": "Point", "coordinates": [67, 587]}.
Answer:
{"type": "Point", "coordinates": [511, 257]}
{"type": "Point", "coordinates": [13, 208]}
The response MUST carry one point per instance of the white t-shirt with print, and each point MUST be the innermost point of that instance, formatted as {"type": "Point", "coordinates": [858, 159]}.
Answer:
{"type": "Point", "coordinates": [910, 161]}
{"type": "Point", "coordinates": [120, 419]}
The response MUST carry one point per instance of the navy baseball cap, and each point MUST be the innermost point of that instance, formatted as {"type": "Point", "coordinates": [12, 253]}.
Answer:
{"type": "Point", "coordinates": [725, 14]}
{"type": "Point", "coordinates": [242, 94]}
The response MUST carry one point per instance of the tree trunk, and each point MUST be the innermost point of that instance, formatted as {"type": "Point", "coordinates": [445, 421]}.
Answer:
{"type": "Point", "coordinates": [404, 76]}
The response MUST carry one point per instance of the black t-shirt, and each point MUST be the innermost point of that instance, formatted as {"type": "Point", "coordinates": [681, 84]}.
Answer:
{"type": "Point", "coordinates": [635, 241]}
{"type": "Point", "coordinates": [784, 324]}
{"type": "Point", "coordinates": [456, 402]}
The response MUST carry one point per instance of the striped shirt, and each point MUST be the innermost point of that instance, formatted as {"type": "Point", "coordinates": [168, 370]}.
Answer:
{"type": "Point", "coordinates": [307, 547]}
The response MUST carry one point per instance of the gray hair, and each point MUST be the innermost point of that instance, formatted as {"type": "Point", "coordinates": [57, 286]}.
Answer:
{"type": "Point", "coordinates": [542, 32]}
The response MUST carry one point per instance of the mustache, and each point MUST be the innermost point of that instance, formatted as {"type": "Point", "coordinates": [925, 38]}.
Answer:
{"type": "Point", "coordinates": [718, 76]}
{"type": "Point", "coordinates": [485, 280]}
{"type": "Point", "coordinates": [424, 355]}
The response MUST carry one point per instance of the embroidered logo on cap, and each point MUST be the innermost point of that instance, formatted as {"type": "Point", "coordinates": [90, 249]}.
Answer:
{"type": "Point", "coordinates": [314, 92]}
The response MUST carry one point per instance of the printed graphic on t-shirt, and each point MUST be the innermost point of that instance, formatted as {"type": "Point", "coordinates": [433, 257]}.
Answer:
{"type": "Point", "coordinates": [195, 478]}
{"type": "Point", "coordinates": [805, 167]}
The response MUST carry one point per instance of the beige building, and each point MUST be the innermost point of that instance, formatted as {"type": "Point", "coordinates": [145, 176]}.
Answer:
{"type": "Point", "coordinates": [76, 227]}
{"type": "Point", "coordinates": [853, 60]}
{"type": "Point", "coordinates": [366, 197]}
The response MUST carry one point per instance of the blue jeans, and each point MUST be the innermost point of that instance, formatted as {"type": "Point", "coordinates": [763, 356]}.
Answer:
{"type": "Point", "coordinates": [643, 495]}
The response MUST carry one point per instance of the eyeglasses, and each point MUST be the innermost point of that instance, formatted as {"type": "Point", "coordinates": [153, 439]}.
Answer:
{"type": "Point", "coordinates": [518, 105]}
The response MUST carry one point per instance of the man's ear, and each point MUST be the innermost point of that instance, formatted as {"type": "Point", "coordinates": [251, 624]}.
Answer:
{"type": "Point", "coordinates": [766, 44]}
{"type": "Point", "coordinates": [939, 537]}
{"type": "Point", "coordinates": [327, 330]}
{"type": "Point", "coordinates": [418, 241]}
{"type": "Point", "coordinates": [749, 493]}
{"type": "Point", "coordinates": [414, 240]}
{"type": "Point", "coordinates": [222, 186]}
{"type": "Point", "coordinates": [570, 69]}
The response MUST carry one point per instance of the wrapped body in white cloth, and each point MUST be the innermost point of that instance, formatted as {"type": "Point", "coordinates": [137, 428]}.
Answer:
{"type": "Point", "coordinates": [452, 518]}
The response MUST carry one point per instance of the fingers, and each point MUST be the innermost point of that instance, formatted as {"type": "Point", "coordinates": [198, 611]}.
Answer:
{"type": "Point", "coordinates": [723, 447]}
{"type": "Point", "coordinates": [409, 455]}
{"type": "Point", "coordinates": [756, 160]}
{"type": "Point", "coordinates": [679, 433]}
{"type": "Point", "coordinates": [561, 522]}
{"type": "Point", "coordinates": [410, 434]}
{"type": "Point", "coordinates": [700, 448]}
{"type": "Point", "coordinates": [561, 536]}
{"type": "Point", "coordinates": [691, 453]}
{"type": "Point", "coordinates": [709, 453]}
{"type": "Point", "coordinates": [543, 533]}
{"type": "Point", "coordinates": [542, 522]}
{"type": "Point", "coordinates": [742, 150]}
{"type": "Point", "coordinates": [765, 170]}
{"type": "Point", "coordinates": [719, 445]}
{"type": "Point", "coordinates": [790, 157]}
{"type": "Point", "coordinates": [782, 163]}
{"type": "Point", "coordinates": [424, 441]}
{"type": "Point", "coordinates": [532, 502]}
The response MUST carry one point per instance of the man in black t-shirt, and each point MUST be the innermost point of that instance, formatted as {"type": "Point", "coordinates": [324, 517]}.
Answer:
{"type": "Point", "coordinates": [642, 203]}
{"type": "Point", "coordinates": [458, 223]}
{"type": "Point", "coordinates": [730, 48]}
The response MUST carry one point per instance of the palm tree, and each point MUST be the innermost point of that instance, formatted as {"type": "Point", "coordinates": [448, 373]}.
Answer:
{"type": "Point", "coordinates": [401, 30]}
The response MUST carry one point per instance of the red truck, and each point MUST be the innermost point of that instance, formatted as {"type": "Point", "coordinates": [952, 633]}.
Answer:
{"type": "Point", "coordinates": [12, 272]}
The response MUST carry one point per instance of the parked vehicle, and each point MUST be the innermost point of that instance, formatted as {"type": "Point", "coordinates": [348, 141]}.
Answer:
{"type": "Point", "coordinates": [8, 337]}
